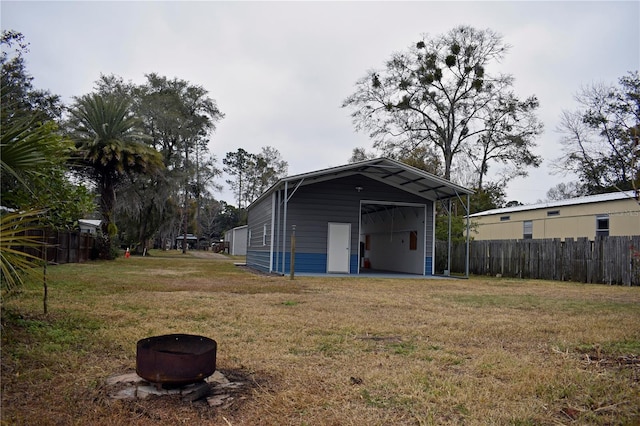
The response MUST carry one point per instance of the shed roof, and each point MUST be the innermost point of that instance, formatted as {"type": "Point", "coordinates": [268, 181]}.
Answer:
{"type": "Point", "coordinates": [385, 170]}
{"type": "Point", "coordinates": [90, 222]}
{"type": "Point", "coordinates": [599, 198]}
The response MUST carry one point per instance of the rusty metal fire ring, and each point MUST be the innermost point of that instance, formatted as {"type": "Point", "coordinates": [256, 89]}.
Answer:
{"type": "Point", "coordinates": [176, 359]}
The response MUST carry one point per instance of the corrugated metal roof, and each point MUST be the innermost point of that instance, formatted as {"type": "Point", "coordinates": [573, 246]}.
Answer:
{"type": "Point", "coordinates": [599, 198]}
{"type": "Point", "coordinates": [388, 171]}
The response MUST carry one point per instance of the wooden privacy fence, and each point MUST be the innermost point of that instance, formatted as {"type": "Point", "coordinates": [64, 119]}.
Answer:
{"type": "Point", "coordinates": [65, 246]}
{"type": "Point", "coordinates": [607, 260]}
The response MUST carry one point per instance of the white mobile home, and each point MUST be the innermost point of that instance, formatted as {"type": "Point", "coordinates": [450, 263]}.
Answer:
{"type": "Point", "coordinates": [613, 214]}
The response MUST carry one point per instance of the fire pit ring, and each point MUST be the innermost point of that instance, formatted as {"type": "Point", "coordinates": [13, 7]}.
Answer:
{"type": "Point", "coordinates": [176, 359]}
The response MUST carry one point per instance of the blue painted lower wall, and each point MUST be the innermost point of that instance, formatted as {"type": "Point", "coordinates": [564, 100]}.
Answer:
{"type": "Point", "coordinates": [315, 263]}
{"type": "Point", "coordinates": [353, 264]}
{"type": "Point", "coordinates": [258, 260]}
{"type": "Point", "coordinates": [306, 262]}
{"type": "Point", "coordinates": [428, 265]}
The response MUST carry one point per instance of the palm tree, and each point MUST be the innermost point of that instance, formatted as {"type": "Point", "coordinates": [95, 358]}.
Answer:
{"type": "Point", "coordinates": [20, 241]}
{"type": "Point", "coordinates": [110, 147]}
{"type": "Point", "coordinates": [32, 162]}
{"type": "Point", "coordinates": [25, 151]}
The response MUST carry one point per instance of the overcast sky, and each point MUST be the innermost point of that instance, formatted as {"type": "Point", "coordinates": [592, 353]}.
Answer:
{"type": "Point", "coordinates": [280, 70]}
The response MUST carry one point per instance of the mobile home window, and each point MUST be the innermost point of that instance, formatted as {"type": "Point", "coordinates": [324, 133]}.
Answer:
{"type": "Point", "coordinates": [553, 213]}
{"type": "Point", "coordinates": [504, 218]}
{"type": "Point", "coordinates": [527, 229]}
{"type": "Point", "coordinates": [602, 225]}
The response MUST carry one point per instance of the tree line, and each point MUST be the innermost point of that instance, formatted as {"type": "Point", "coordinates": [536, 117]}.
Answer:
{"type": "Point", "coordinates": [134, 155]}
{"type": "Point", "coordinates": [138, 154]}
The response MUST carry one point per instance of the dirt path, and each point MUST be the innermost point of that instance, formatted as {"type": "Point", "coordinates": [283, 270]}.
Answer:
{"type": "Point", "coordinates": [208, 255]}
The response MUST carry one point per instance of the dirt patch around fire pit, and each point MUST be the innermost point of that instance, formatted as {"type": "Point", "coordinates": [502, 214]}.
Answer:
{"type": "Point", "coordinates": [225, 391]}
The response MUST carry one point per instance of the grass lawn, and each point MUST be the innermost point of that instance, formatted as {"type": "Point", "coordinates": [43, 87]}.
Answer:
{"type": "Point", "coordinates": [325, 350]}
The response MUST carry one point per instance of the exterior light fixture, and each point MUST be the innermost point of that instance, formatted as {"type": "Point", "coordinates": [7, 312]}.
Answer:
{"type": "Point", "coordinates": [359, 188]}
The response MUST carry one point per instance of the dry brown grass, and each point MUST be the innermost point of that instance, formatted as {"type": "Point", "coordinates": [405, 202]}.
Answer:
{"type": "Point", "coordinates": [326, 351]}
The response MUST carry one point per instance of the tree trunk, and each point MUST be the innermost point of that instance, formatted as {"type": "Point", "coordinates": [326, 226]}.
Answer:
{"type": "Point", "coordinates": [107, 203]}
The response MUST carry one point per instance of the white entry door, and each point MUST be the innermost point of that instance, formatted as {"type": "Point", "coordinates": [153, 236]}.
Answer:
{"type": "Point", "coordinates": [338, 247]}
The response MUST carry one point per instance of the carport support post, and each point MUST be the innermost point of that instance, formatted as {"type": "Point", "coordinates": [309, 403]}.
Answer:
{"type": "Point", "coordinates": [293, 251]}
{"type": "Point", "coordinates": [466, 265]}
{"type": "Point", "coordinates": [449, 243]}
{"type": "Point", "coordinates": [284, 228]}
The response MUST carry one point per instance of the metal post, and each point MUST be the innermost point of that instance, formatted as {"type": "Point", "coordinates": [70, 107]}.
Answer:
{"type": "Point", "coordinates": [449, 243]}
{"type": "Point", "coordinates": [466, 266]}
{"type": "Point", "coordinates": [276, 230]}
{"type": "Point", "coordinates": [293, 251]}
{"type": "Point", "coordinates": [284, 226]}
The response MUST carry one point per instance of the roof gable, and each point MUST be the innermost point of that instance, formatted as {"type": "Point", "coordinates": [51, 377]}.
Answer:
{"type": "Point", "coordinates": [385, 170]}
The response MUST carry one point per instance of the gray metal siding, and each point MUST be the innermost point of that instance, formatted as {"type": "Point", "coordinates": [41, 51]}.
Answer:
{"type": "Point", "coordinates": [313, 206]}
{"type": "Point", "coordinates": [310, 208]}
{"type": "Point", "coordinates": [258, 216]}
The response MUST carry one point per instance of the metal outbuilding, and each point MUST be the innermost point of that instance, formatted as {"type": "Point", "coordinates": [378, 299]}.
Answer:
{"type": "Point", "coordinates": [237, 239]}
{"type": "Point", "coordinates": [373, 215]}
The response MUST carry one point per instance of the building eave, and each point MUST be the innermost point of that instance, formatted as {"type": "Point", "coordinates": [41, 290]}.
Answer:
{"type": "Point", "coordinates": [385, 170]}
{"type": "Point", "coordinates": [590, 199]}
